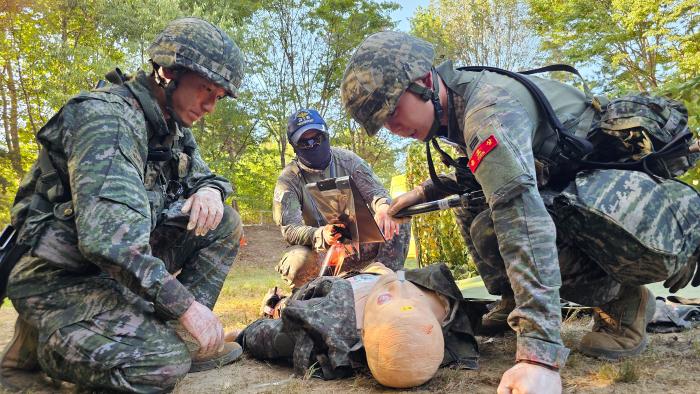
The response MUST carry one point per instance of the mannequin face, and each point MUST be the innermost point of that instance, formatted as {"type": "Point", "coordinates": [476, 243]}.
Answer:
{"type": "Point", "coordinates": [401, 333]}
{"type": "Point", "coordinates": [393, 293]}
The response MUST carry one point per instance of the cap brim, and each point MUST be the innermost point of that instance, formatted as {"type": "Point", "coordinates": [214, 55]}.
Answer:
{"type": "Point", "coordinates": [312, 126]}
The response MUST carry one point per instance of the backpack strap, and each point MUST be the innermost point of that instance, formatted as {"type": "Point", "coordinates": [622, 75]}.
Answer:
{"type": "Point", "coordinates": [561, 146]}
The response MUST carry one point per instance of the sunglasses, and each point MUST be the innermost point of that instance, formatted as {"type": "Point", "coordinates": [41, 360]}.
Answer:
{"type": "Point", "coordinates": [312, 142]}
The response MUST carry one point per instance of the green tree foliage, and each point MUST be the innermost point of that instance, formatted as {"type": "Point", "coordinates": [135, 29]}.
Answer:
{"type": "Point", "coordinates": [479, 32]}
{"type": "Point", "coordinates": [648, 46]}
{"type": "Point", "coordinates": [48, 51]}
{"type": "Point", "coordinates": [636, 44]}
{"type": "Point", "coordinates": [436, 234]}
{"type": "Point", "coordinates": [296, 52]}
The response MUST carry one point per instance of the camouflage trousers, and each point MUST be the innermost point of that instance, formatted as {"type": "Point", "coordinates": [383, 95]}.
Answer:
{"type": "Point", "coordinates": [300, 264]}
{"type": "Point", "coordinates": [584, 281]}
{"type": "Point", "coordinates": [613, 228]}
{"type": "Point", "coordinates": [101, 336]}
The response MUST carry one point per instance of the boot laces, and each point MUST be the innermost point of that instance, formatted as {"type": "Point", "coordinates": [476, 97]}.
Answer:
{"type": "Point", "coordinates": [605, 322]}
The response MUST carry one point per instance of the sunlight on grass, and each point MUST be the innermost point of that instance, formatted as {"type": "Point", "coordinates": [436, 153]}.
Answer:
{"type": "Point", "coordinates": [242, 293]}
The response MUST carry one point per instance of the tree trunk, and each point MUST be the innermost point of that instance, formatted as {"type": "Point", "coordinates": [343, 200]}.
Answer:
{"type": "Point", "coordinates": [11, 128]}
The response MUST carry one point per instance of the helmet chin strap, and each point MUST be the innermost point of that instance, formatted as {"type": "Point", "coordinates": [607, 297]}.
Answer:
{"type": "Point", "coordinates": [169, 88]}
{"type": "Point", "coordinates": [434, 96]}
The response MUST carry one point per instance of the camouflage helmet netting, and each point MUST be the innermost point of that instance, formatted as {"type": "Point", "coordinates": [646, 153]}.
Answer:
{"type": "Point", "coordinates": [378, 73]}
{"type": "Point", "coordinates": [199, 46]}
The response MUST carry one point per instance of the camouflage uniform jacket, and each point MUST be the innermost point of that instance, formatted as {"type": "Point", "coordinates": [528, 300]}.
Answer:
{"type": "Point", "coordinates": [98, 143]}
{"type": "Point", "coordinates": [492, 106]}
{"type": "Point", "coordinates": [293, 208]}
{"type": "Point", "coordinates": [320, 320]}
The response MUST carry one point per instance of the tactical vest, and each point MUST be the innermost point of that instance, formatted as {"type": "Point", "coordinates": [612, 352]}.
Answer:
{"type": "Point", "coordinates": [45, 191]}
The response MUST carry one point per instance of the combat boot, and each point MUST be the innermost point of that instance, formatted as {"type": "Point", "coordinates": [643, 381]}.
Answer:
{"type": "Point", "coordinates": [19, 364]}
{"type": "Point", "coordinates": [619, 328]}
{"type": "Point", "coordinates": [496, 320]}
{"type": "Point", "coordinates": [230, 352]}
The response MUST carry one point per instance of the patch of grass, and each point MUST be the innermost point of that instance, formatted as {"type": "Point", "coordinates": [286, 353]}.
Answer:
{"type": "Point", "coordinates": [241, 296]}
{"type": "Point", "coordinates": [626, 372]}
{"type": "Point", "coordinates": [629, 372]}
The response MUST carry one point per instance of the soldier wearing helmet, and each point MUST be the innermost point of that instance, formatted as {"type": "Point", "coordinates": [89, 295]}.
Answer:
{"type": "Point", "coordinates": [493, 120]}
{"type": "Point", "coordinates": [117, 204]}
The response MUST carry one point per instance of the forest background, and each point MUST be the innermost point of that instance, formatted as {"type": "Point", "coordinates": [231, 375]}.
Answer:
{"type": "Point", "coordinates": [296, 51]}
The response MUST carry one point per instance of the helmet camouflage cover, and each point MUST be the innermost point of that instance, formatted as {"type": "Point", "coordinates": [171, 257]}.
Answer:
{"type": "Point", "coordinates": [378, 73]}
{"type": "Point", "coordinates": [197, 45]}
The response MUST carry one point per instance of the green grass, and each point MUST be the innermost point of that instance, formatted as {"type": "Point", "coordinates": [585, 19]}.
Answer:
{"type": "Point", "coordinates": [625, 372]}
{"type": "Point", "coordinates": [242, 293]}
{"type": "Point", "coordinates": [241, 296]}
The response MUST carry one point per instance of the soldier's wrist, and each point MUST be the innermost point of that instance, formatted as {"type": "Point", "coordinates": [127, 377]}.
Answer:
{"type": "Point", "coordinates": [213, 190]}
{"type": "Point", "coordinates": [549, 367]}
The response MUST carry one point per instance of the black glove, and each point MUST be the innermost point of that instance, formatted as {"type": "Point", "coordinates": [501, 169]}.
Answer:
{"type": "Point", "coordinates": [271, 302]}
{"type": "Point", "coordinates": [681, 278]}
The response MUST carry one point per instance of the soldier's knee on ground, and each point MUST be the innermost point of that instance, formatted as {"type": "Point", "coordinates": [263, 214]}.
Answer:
{"type": "Point", "coordinates": [299, 265]}
{"type": "Point", "coordinates": [79, 355]}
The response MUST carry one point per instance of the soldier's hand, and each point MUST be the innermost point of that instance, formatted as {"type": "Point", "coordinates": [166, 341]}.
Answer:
{"type": "Point", "coordinates": [205, 327]}
{"type": "Point", "coordinates": [415, 196]}
{"type": "Point", "coordinates": [206, 210]}
{"type": "Point", "coordinates": [330, 235]}
{"type": "Point", "coordinates": [386, 223]}
{"type": "Point", "coordinates": [525, 378]}
{"type": "Point", "coordinates": [681, 278]}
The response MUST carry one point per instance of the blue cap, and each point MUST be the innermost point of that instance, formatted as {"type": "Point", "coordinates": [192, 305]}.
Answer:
{"type": "Point", "coordinates": [303, 120]}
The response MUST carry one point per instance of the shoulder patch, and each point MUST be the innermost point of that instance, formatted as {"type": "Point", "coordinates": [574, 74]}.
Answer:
{"type": "Point", "coordinates": [279, 195]}
{"type": "Point", "coordinates": [481, 151]}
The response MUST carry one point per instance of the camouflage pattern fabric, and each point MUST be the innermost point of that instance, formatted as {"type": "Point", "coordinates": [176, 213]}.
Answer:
{"type": "Point", "coordinates": [485, 107]}
{"type": "Point", "coordinates": [649, 227]}
{"type": "Point", "coordinates": [121, 235]}
{"type": "Point", "coordinates": [301, 223]}
{"type": "Point", "coordinates": [180, 45]}
{"type": "Point", "coordinates": [395, 62]}
{"type": "Point", "coordinates": [318, 325]}
{"type": "Point", "coordinates": [633, 126]}
{"type": "Point", "coordinates": [300, 264]}
{"type": "Point", "coordinates": [524, 229]}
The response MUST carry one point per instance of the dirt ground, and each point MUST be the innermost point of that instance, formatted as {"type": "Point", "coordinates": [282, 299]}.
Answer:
{"type": "Point", "coordinates": [669, 365]}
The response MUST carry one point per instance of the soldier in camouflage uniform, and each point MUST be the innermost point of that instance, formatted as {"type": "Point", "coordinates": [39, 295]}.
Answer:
{"type": "Point", "coordinates": [302, 225]}
{"type": "Point", "coordinates": [390, 81]}
{"type": "Point", "coordinates": [130, 240]}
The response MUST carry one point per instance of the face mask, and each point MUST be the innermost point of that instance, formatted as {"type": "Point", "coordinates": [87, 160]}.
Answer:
{"type": "Point", "coordinates": [317, 157]}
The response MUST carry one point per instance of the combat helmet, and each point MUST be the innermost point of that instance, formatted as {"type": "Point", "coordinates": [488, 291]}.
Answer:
{"type": "Point", "coordinates": [197, 45]}
{"type": "Point", "coordinates": [384, 66]}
